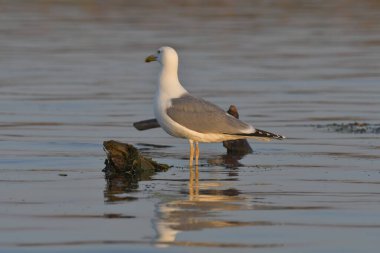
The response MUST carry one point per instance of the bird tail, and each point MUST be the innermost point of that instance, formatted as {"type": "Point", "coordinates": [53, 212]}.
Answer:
{"type": "Point", "coordinates": [262, 135]}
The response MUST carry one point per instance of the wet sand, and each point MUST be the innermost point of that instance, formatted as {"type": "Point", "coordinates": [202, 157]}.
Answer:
{"type": "Point", "coordinates": [72, 75]}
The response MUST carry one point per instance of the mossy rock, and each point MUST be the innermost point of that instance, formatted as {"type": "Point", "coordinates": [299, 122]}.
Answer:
{"type": "Point", "coordinates": [125, 158]}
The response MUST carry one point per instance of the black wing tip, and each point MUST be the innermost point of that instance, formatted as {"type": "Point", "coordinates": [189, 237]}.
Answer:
{"type": "Point", "coordinates": [263, 134]}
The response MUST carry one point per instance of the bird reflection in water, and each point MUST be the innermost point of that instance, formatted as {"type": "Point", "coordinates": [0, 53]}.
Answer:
{"type": "Point", "coordinates": [194, 184]}
{"type": "Point", "coordinates": [194, 213]}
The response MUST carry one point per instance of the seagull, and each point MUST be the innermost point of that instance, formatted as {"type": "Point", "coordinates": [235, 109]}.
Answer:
{"type": "Point", "coordinates": [183, 115]}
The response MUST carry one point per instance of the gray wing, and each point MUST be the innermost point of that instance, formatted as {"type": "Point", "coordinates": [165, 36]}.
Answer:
{"type": "Point", "coordinates": [204, 117]}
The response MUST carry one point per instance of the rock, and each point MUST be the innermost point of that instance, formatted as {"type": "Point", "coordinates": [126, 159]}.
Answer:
{"type": "Point", "coordinates": [125, 167]}
{"type": "Point", "coordinates": [355, 127]}
{"type": "Point", "coordinates": [123, 157]}
{"type": "Point", "coordinates": [146, 124]}
{"type": "Point", "coordinates": [236, 147]}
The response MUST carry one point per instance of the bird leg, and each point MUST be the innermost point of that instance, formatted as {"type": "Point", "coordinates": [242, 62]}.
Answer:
{"type": "Point", "coordinates": [196, 181]}
{"type": "Point", "coordinates": [191, 183]}
{"type": "Point", "coordinates": [196, 152]}
{"type": "Point", "coordinates": [191, 142]}
{"type": "Point", "coordinates": [194, 184]}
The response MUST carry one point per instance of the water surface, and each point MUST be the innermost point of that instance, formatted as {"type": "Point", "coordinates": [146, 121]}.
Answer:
{"type": "Point", "coordinates": [72, 74]}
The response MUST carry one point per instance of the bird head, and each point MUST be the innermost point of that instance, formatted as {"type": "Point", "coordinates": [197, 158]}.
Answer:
{"type": "Point", "coordinates": [164, 55]}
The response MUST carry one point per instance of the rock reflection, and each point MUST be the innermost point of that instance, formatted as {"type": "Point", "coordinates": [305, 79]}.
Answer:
{"type": "Point", "coordinates": [227, 160]}
{"type": "Point", "coordinates": [117, 185]}
{"type": "Point", "coordinates": [198, 210]}
{"type": "Point", "coordinates": [230, 160]}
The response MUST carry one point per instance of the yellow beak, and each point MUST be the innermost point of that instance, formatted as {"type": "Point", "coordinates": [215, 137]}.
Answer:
{"type": "Point", "coordinates": [151, 58]}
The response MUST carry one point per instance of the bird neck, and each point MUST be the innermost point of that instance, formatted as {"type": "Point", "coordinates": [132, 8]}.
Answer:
{"type": "Point", "coordinates": [168, 81]}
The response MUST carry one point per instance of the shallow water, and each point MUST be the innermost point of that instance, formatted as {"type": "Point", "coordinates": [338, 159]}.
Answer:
{"type": "Point", "coordinates": [72, 74]}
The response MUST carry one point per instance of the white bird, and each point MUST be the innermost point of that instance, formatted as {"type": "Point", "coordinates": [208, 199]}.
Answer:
{"type": "Point", "coordinates": [185, 116]}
